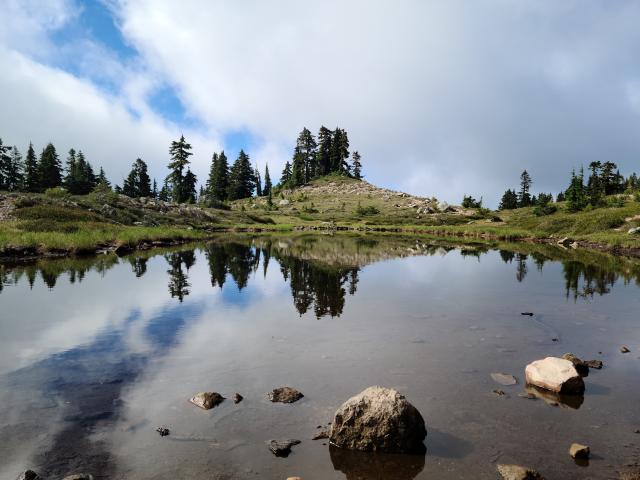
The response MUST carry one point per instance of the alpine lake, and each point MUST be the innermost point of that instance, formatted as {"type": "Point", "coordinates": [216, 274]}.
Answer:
{"type": "Point", "coordinates": [98, 352]}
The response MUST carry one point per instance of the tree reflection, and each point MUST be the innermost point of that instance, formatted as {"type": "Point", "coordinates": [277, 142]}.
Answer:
{"type": "Point", "coordinates": [178, 279]}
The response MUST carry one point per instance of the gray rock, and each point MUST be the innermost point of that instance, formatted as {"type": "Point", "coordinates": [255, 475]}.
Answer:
{"type": "Point", "coordinates": [379, 419]}
{"type": "Point", "coordinates": [29, 475]}
{"type": "Point", "coordinates": [634, 231]}
{"type": "Point", "coordinates": [282, 448]}
{"type": "Point", "coordinates": [207, 400]}
{"type": "Point", "coordinates": [579, 451]}
{"type": "Point", "coordinates": [517, 472]}
{"type": "Point", "coordinates": [624, 349]}
{"type": "Point", "coordinates": [504, 379]}
{"type": "Point", "coordinates": [284, 395]}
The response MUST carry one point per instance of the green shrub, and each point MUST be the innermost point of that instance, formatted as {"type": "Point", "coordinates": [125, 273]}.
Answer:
{"type": "Point", "coordinates": [542, 210]}
{"type": "Point", "coordinates": [258, 219]}
{"type": "Point", "coordinates": [56, 192]}
{"type": "Point", "coordinates": [616, 201]}
{"type": "Point", "coordinates": [363, 211]}
{"type": "Point", "coordinates": [23, 202]}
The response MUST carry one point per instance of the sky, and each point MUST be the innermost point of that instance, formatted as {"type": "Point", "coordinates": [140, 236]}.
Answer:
{"type": "Point", "coordinates": [441, 98]}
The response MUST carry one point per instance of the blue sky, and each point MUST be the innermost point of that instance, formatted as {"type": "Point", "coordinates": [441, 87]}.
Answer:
{"type": "Point", "coordinates": [441, 98]}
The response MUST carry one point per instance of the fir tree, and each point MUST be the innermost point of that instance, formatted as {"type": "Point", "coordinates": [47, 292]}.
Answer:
{"type": "Point", "coordinates": [285, 176]}
{"type": "Point", "coordinates": [189, 186]}
{"type": "Point", "coordinates": [524, 198]}
{"type": "Point", "coordinates": [71, 172]}
{"type": "Point", "coordinates": [307, 147]}
{"type": "Point", "coordinates": [241, 178]}
{"type": "Point", "coordinates": [180, 151]}
{"type": "Point", "coordinates": [165, 192]}
{"type": "Point", "coordinates": [258, 180]}
{"type": "Point", "coordinates": [509, 200]}
{"type": "Point", "coordinates": [138, 183]}
{"type": "Point", "coordinates": [595, 186]}
{"type": "Point", "coordinates": [31, 172]}
{"type": "Point", "coordinates": [154, 191]}
{"type": "Point", "coordinates": [102, 179]}
{"type": "Point", "coordinates": [340, 152]}
{"type": "Point", "coordinates": [266, 190]}
{"type": "Point", "coordinates": [323, 156]}
{"type": "Point", "coordinates": [357, 166]}
{"type": "Point", "coordinates": [49, 168]}
{"type": "Point", "coordinates": [297, 169]}
{"type": "Point", "coordinates": [14, 171]}
{"type": "Point", "coordinates": [217, 187]}
{"type": "Point", "coordinates": [5, 160]}
{"type": "Point", "coordinates": [576, 193]}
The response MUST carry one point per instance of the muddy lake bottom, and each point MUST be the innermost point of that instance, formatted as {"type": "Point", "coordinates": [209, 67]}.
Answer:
{"type": "Point", "coordinates": [96, 353]}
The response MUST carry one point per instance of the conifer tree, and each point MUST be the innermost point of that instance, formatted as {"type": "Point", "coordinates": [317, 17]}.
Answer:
{"type": "Point", "coordinates": [297, 169]}
{"type": "Point", "coordinates": [241, 178]}
{"type": "Point", "coordinates": [285, 176]}
{"type": "Point", "coordinates": [102, 179]}
{"type": "Point", "coordinates": [340, 152]}
{"type": "Point", "coordinates": [71, 172]}
{"type": "Point", "coordinates": [323, 156]}
{"type": "Point", "coordinates": [217, 187]}
{"type": "Point", "coordinates": [189, 187]}
{"type": "Point", "coordinates": [266, 190]}
{"type": "Point", "coordinates": [509, 200]}
{"type": "Point", "coordinates": [138, 183]}
{"type": "Point", "coordinates": [576, 193]}
{"type": "Point", "coordinates": [31, 172]}
{"type": "Point", "coordinates": [307, 147]}
{"type": "Point", "coordinates": [180, 151]}
{"type": "Point", "coordinates": [5, 160]}
{"type": "Point", "coordinates": [49, 168]}
{"type": "Point", "coordinates": [258, 180]}
{"type": "Point", "coordinates": [357, 166]}
{"type": "Point", "coordinates": [595, 186]}
{"type": "Point", "coordinates": [165, 192]}
{"type": "Point", "coordinates": [154, 191]}
{"type": "Point", "coordinates": [524, 198]}
{"type": "Point", "coordinates": [13, 171]}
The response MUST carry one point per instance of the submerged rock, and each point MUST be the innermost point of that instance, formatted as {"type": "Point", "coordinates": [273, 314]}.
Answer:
{"type": "Point", "coordinates": [555, 374]}
{"type": "Point", "coordinates": [207, 400]}
{"type": "Point", "coordinates": [582, 366]}
{"type": "Point", "coordinates": [579, 451]}
{"type": "Point", "coordinates": [29, 475]}
{"type": "Point", "coordinates": [163, 431]}
{"type": "Point", "coordinates": [504, 379]}
{"type": "Point", "coordinates": [237, 398]}
{"type": "Point", "coordinates": [282, 448]}
{"type": "Point", "coordinates": [516, 472]}
{"type": "Point", "coordinates": [378, 419]}
{"type": "Point", "coordinates": [624, 349]}
{"type": "Point", "coordinates": [284, 395]}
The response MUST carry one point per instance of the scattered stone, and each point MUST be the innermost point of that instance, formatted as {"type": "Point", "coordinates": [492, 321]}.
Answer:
{"type": "Point", "coordinates": [529, 314]}
{"type": "Point", "coordinates": [207, 400]}
{"type": "Point", "coordinates": [284, 395]}
{"type": "Point", "coordinates": [566, 241]}
{"type": "Point", "coordinates": [582, 366]}
{"type": "Point", "coordinates": [499, 392]}
{"type": "Point", "coordinates": [624, 349]}
{"type": "Point", "coordinates": [294, 478]}
{"type": "Point", "coordinates": [320, 435]}
{"type": "Point", "coordinates": [379, 419]}
{"type": "Point", "coordinates": [79, 476]}
{"type": "Point", "coordinates": [29, 475]}
{"type": "Point", "coordinates": [633, 231]}
{"type": "Point", "coordinates": [282, 448]}
{"type": "Point", "coordinates": [579, 451]}
{"type": "Point", "coordinates": [237, 398]}
{"type": "Point", "coordinates": [163, 431]}
{"type": "Point", "coordinates": [516, 472]}
{"type": "Point", "coordinates": [554, 340]}
{"type": "Point", "coordinates": [528, 396]}
{"type": "Point", "coordinates": [597, 364]}
{"type": "Point", "coordinates": [555, 374]}
{"type": "Point", "coordinates": [504, 379]}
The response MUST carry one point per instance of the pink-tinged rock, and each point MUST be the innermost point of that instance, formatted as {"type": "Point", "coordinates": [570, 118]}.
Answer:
{"type": "Point", "coordinates": [555, 374]}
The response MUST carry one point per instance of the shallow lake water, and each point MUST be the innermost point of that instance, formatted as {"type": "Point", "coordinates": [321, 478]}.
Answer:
{"type": "Point", "coordinates": [96, 353]}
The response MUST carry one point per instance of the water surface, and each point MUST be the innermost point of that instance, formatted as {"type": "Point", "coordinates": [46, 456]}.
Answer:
{"type": "Point", "coordinates": [96, 353]}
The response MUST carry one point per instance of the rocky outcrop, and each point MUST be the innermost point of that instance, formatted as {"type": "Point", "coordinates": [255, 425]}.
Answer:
{"type": "Point", "coordinates": [207, 400]}
{"type": "Point", "coordinates": [517, 472]}
{"type": "Point", "coordinates": [556, 375]}
{"type": "Point", "coordinates": [284, 395]}
{"type": "Point", "coordinates": [378, 419]}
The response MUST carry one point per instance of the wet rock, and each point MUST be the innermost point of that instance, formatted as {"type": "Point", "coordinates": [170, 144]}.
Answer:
{"type": "Point", "coordinates": [371, 465]}
{"type": "Point", "coordinates": [284, 395]}
{"type": "Point", "coordinates": [320, 435]}
{"type": "Point", "coordinates": [528, 396]}
{"type": "Point", "coordinates": [79, 476]}
{"type": "Point", "coordinates": [555, 374]}
{"type": "Point", "coordinates": [499, 392]}
{"type": "Point", "coordinates": [162, 431]}
{"type": "Point", "coordinates": [378, 419]}
{"type": "Point", "coordinates": [579, 451]}
{"type": "Point", "coordinates": [29, 475]}
{"type": "Point", "coordinates": [504, 379]}
{"type": "Point", "coordinates": [237, 398]}
{"type": "Point", "coordinates": [207, 400]}
{"type": "Point", "coordinates": [580, 366]}
{"type": "Point", "coordinates": [282, 448]}
{"type": "Point", "coordinates": [597, 364]}
{"type": "Point", "coordinates": [528, 314]}
{"type": "Point", "coordinates": [516, 472]}
{"type": "Point", "coordinates": [566, 241]}
{"type": "Point", "coordinates": [624, 349]}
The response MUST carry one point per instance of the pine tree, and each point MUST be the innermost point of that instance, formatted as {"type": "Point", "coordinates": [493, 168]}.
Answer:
{"type": "Point", "coordinates": [285, 176]}
{"type": "Point", "coordinates": [14, 171]}
{"type": "Point", "coordinates": [595, 187]}
{"type": "Point", "coordinates": [49, 168]}
{"type": "Point", "coordinates": [241, 178]}
{"type": "Point", "coordinates": [165, 192]}
{"type": "Point", "coordinates": [258, 180]}
{"type": "Point", "coordinates": [266, 190]}
{"type": "Point", "coordinates": [339, 152]}
{"type": "Point", "coordinates": [86, 178]}
{"type": "Point", "coordinates": [307, 147]}
{"type": "Point", "coordinates": [71, 173]}
{"type": "Point", "coordinates": [297, 169]}
{"type": "Point", "coordinates": [323, 156]}
{"type": "Point", "coordinates": [357, 166]}
{"type": "Point", "coordinates": [576, 193]}
{"type": "Point", "coordinates": [509, 200]}
{"type": "Point", "coordinates": [189, 187]}
{"type": "Point", "coordinates": [180, 151]}
{"type": "Point", "coordinates": [102, 179]}
{"type": "Point", "coordinates": [5, 161]}
{"type": "Point", "coordinates": [524, 198]}
{"type": "Point", "coordinates": [154, 191]}
{"type": "Point", "coordinates": [138, 183]}
{"type": "Point", "coordinates": [217, 186]}
{"type": "Point", "coordinates": [31, 172]}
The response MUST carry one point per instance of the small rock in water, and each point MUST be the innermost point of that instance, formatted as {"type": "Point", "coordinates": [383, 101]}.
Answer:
{"type": "Point", "coordinates": [579, 451]}
{"type": "Point", "coordinates": [282, 448]}
{"type": "Point", "coordinates": [294, 478]}
{"type": "Point", "coordinates": [79, 476]}
{"type": "Point", "coordinates": [624, 349]}
{"type": "Point", "coordinates": [499, 392]}
{"type": "Point", "coordinates": [504, 379]}
{"type": "Point", "coordinates": [163, 431]}
{"type": "Point", "coordinates": [597, 364]}
{"type": "Point", "coordinates": [528, 396]}
{"type": "Point", "coordinates": [516, 472]}
{"type": "Point", "coordinates": [29, 475]}
{"type": "Point", "coordinates": [237, 398]}
{"type": "Point", "coordinates": [284, 395]}
{"type": "Point", "coordinates": [555, 374]}
{"type": "Point", "coordinates": [320, 435]}
{"type": "Point", "coordinates": [554, 340]}
{"type": "Point", "coordinates": [580, 365]}
{"type": "Point", "coordinates": [529, 314]}
{"type": "Point", "coordinates": [207, 400]}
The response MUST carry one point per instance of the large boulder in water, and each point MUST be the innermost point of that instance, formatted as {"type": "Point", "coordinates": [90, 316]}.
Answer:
{"type": "Point", "coordinates": [555, 374]}
{"type": "Point", "coordinates": [378, 419]}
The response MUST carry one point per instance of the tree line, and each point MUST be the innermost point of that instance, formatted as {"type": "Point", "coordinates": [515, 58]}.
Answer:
{"type": "Point", "coordinates": [311, 159]}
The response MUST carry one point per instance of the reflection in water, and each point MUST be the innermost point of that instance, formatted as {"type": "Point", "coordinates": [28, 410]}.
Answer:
{"type": "Point", "coordinates": [554, 399]}
{"type": "Point", "coordinates": [370, 465]}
